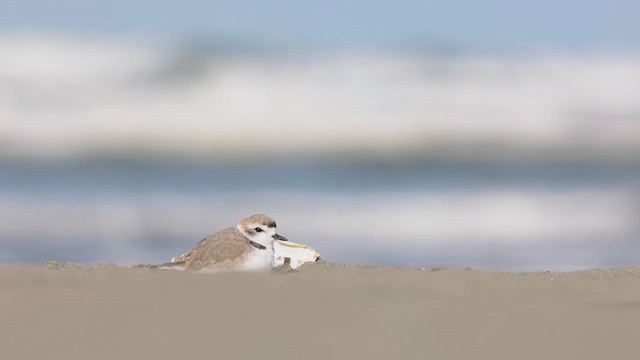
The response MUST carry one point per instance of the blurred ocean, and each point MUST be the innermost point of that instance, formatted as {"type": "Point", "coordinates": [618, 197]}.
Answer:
{"type": "Point", "coordinates": [131, 151]}
{"type": "Point", "coordinates": [429, 214]}
{"type": "Point", "coordinates": [73, 98]}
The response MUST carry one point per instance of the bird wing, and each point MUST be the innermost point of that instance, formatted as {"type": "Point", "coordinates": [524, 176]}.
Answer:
{"type": "Point", "coordinates": [223, 250]}
{"type": "Point", "coordinates": [182, 259]}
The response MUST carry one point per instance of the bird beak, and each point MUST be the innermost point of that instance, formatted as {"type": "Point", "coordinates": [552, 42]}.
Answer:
{"type": "Point", "coordinates": [279, 237]}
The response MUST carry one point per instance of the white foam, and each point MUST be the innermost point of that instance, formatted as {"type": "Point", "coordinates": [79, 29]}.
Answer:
{"type": "Point", "coordinates": [67, 97]}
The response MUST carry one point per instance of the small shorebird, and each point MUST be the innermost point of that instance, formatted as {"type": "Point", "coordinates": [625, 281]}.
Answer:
{"type": "Point", "coordinates": [248, 246]}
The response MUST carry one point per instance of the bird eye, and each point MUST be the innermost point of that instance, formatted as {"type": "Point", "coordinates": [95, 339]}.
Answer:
{"type": "Point", "coordinates": [258, 229]}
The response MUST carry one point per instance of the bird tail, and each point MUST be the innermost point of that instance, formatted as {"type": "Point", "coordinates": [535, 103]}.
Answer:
{"type": "Point", "coordinates": [170, 266]}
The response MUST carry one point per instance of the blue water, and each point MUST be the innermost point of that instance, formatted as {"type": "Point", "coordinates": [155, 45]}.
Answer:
{"type": "Point", "coordinates": [488, 24]}
{"type": "Point", "coordinates": [288, 175]}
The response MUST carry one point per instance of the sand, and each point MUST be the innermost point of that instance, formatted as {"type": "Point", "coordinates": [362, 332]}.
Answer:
{"type": "Point", "coordinates": [323, 311]}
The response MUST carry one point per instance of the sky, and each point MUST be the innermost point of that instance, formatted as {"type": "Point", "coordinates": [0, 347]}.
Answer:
{"type": "Point", "coordinates": [488, 24]}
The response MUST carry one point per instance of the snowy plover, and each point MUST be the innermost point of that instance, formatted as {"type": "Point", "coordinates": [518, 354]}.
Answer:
{"type": "Point", "coordinates": [248, 246]}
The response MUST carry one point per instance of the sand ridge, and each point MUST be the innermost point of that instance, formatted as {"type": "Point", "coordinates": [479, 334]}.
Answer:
{"type": "Point", "coordinates": [324, 310]}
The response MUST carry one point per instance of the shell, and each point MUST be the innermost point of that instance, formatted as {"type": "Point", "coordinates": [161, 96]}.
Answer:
{"type": "Point", "coordinates": [297, 253]}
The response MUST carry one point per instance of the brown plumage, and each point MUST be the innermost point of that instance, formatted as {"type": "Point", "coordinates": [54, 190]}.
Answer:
{"type": "Point", "coordinates": [224, 250]}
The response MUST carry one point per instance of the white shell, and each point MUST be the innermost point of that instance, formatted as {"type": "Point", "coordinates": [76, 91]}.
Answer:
{"type": "Point", "coordinates": [298, 253]}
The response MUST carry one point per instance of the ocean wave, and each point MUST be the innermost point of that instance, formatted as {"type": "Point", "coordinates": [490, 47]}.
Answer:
{"type": "Point", "coordinates": [66, 97]}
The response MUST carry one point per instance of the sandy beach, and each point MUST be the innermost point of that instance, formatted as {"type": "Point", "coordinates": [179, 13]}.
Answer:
{"type": "Point", "coordinates": [322, 311]}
